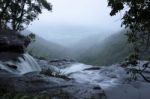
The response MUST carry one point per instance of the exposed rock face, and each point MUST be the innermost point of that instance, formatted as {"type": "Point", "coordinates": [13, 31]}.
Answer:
{"type": "Point", "coordinates": [12, 44]}
{"type": "Point", "coordinates": [35, 83]}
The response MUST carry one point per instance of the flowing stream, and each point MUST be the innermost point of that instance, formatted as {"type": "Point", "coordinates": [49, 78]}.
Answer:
{"type": "Point", "coordinates": [112, 79]}
{"type": "Point", "coordinates": [25, 64]}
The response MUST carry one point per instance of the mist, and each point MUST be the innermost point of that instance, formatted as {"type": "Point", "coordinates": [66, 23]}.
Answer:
{"type": "Point", "coordinates": [74, 20]}
{"type": "Point", "coordinates": [81, 30]}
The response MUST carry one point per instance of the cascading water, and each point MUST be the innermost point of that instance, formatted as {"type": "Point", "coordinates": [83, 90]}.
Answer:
{"type": "Point", "coordinates": [25, 64]}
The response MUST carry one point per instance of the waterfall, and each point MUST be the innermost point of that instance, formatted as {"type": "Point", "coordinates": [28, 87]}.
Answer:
{"type": "Point", "coordinates": [25, 64]}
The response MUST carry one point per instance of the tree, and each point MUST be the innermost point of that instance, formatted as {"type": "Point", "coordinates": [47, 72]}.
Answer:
{"type": "Point", "coordinates": [136, 18]}
{"type": "Point", "coordinates": [19, 13]}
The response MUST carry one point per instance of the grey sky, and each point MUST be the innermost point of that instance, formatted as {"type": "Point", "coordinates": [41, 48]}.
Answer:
{"type": "Point", "coordinates": [71, 20]}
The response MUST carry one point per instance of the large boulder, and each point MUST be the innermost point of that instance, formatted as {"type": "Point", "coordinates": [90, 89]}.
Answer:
{"type": "Point", "coordinates": [12, 44]}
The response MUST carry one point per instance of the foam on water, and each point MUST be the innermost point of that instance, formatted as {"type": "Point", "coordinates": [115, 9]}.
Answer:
{"type": "Point", "coordinates": [25, 64]}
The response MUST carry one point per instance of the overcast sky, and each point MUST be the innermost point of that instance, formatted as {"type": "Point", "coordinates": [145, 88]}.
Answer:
{"type": "Point", "coordinates": [71, 20]}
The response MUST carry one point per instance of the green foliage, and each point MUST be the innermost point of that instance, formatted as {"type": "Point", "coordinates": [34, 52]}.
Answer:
{"type": "Point", "coordinates": [20, 13]}
{"type": "Point", "coordinates": [110, 51]}
{"type": "Point", "coordinates": [31, 37]}
{"type": "Point", "coordinates": [136, 72]}
{"type": "Point", "coordinates": [136, 18]}
{"type": "Point", "coordinates": [43, 49]}
{"type": "Point", "coordinates": [58, 74]}
{"type": "Point", "coordinates": [132, 59]}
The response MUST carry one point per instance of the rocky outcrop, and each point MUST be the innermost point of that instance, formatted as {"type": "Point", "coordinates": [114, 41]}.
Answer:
{"type": "Point", "coordinates": [12, 44]}
{"type": "Point", "coordinates": [36, 83]}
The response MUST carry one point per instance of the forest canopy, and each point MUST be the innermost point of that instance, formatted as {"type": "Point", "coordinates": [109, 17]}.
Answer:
{"type": "Point", "coordinates": [18, 14]}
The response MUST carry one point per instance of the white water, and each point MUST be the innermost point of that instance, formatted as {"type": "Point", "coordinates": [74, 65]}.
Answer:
{"type": "Point", "coordinates": [25, 64]}
{"type": "Point", "coordinates": [112, 79]}
{"type": "Point", "coordinates": [78, 67]}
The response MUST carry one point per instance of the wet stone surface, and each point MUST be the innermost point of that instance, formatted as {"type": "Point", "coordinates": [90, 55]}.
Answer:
{"type": "Point", "coordinates": [33, 83]}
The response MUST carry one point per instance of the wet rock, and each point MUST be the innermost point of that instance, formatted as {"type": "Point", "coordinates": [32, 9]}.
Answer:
{"type": "Point", "coordinates": [6, 56]}
{"type": "Point", "coordinates": [11, 66]}
{"type": "Point", "coordinates": [62, 60]}
{"type": "Point", "coordinates": [35, 83]}
{"type": "Point", "coordinates": [12, 44]}
{"type": "Point", "coordinates": [93, 68]}
{"type": "Point", "coordinates": [55, 64]}
{"type": "Point", "coordinates": [96, 87]}
{"type": "Point", "coordinates": [58, 62]}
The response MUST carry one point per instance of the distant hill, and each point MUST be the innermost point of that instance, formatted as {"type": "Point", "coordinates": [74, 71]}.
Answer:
{"type": "Point", "coordinates": [94, 50]}
{"type": "Point", "coordinates": [82, 46]}
{"type": "Point", "coordinates": [42, 48]}
{"type": "Point", "coordinates": [111, 50]}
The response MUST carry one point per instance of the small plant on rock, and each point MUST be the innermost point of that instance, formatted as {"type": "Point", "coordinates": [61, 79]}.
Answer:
{"type": "Point", "coordinates": [57, 74]}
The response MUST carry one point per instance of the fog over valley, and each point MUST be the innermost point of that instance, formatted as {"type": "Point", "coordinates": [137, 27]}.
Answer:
{"type": "Point", "coordinates": [71, 21]}
{"type": "Point", "coordinates": [79, 32]}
